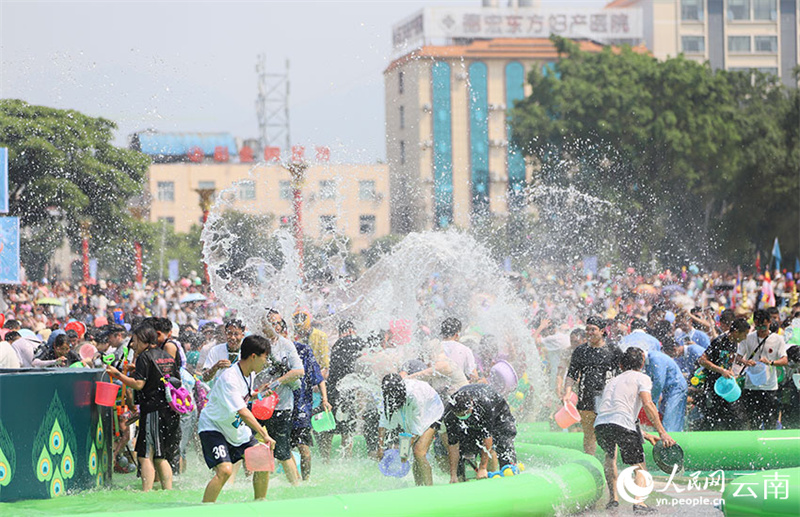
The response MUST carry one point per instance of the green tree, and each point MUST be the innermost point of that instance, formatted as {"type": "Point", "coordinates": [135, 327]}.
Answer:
{"type": "Point", "coordinates": [378, 248]}
{"type": "Point", "coordinates": [63, 170]}
{"type": "Point", "coordinates": [239, 236]}
{"type": "Point", "coordinates": [667, 142]}
{"type": "Point", "coordinates": [186, 248]}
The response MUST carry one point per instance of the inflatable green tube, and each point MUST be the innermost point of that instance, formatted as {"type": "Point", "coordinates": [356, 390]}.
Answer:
{"type": "Point", "coordinates": [573, 482]}
{"type": "Point", "coordinates": [717, 450]}
{"type": "Point", "coordinates": [782, 496]}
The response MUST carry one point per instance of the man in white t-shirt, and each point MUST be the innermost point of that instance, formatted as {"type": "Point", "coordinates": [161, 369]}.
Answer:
{"type": "Point", "coordinates": [225, 354]}
{"type": "Point", "coordinates": [282, 375]}
{"type": "Point", "coordinates": [616, 423]}
{"type": "Point", "coordinates": [226, 424]}
{"type": "Point", "coordinates": [761, 347]}
{"type": "Point", "coordinates": [459, 353]}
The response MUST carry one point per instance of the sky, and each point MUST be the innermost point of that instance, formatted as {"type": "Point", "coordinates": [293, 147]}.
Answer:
{"type": "Point", "coordinates": [189, 66]}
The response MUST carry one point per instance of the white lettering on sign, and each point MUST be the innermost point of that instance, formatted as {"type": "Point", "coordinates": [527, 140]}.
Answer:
{"type": "Point", "coordinates": [435, 25]}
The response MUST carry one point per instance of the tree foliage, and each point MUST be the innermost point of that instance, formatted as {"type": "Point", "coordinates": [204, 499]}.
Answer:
{"type": "Point", "coordinates": [63, 170]}
{"type": "Point", "coordinates": [684, 153]}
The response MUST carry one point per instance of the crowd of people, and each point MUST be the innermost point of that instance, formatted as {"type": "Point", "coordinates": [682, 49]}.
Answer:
{"type": "Point", "coordinates": [632, 351]}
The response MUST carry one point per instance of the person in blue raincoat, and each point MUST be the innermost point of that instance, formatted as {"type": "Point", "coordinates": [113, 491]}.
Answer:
{"type": "Point", "coordinates": [669, 385]}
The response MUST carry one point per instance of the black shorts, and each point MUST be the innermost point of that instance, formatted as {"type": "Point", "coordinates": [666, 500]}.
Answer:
{"type": "Point", "coordinates": [502, 443]}
{"type": "Point", "coordinates": [609, 436]}
{"type": "Point", "coordinates": [159, 434]}
{"type": "Point", "coordinates": [279, 428]}
{"type": "Point", "coordinates": [302, 436]}
{"type": "Point", "coordinates": [216, 448]}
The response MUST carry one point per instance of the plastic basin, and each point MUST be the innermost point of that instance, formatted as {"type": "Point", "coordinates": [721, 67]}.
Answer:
{"type": "Point", "coordinates": [728, 389]}
{"type": "Point", "coordinates": [567, 415]}
{"type": "Point", "coordinates": [264, 407]}
{"type": "Point", "coordinates": [391, 465]}
{"type": "Point", "coordinates": [259, 458]}
{"type": "Point", "coordinates": [323, 422]}
{"type": "Point", "coordinates": [757, 375]}
{"type": "Point", "coordinates": [667, 458]}
{"type": "Point", "coordinates": [503, 378]}
{"type": "Point", "coordinates": [87, 351]}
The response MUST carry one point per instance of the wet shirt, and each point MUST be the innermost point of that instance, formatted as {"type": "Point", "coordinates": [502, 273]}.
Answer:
{"type": "Point", "coordinates": [218, 353]}
{"type": "Point", "coordinates": [592, 367]}
{"type": "Point", "coordinates": [344, 353]}
{"type": "Point", "coordinates": [151, 366]}
{"type": "Point", "coordinates": [422, 408]}
{"type": "Point", "coordinates": [490, 416]}
{"type": "Point", "coordinates": [621, 400]}
{"type": "Point", "coordinates": [282, 359]}
{"type": "Point", "coordinates": [230, 394]}
{"type": "Point", "coordinates": [304, 397]}
{"type": "Point", "coordinates": [720, 352]}
{"type": "Point", "coordinates": [774, 348]}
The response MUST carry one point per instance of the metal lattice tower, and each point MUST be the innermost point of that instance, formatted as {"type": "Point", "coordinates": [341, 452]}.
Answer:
{"type": "Point", "coordinates": [272, 106]}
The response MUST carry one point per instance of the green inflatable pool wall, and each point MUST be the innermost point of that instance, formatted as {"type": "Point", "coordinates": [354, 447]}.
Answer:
{"type": "Point", "coordinates": [572, 482]}
{"type": "Point", "coordinates": [718, 450]}
{"type": "Point", "coordinates": [781, 499]}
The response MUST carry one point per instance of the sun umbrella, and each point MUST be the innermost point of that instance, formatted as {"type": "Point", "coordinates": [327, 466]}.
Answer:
{"type": "Point", "coordinates": [49, 301]}
{"type": "Point", "coordinates": [192, 297]}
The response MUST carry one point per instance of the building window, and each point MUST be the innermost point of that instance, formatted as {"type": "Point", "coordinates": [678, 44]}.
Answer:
{"type": "Point", "coordinates": [738, 43]}
{"type": "Point", "coordinates": [169, 221]}
{"type": "Point", "coordinates": [766, 44]}
{"type": "Point", "coordinates": [285, 189]}
{"type": "Point", "coordinates": [327, 189]}
{"type": "Point", "coordinates": [765, 10]}
{"type": "Point", "coordinates": [327, 224]}
{"type": "Point", "coordinates": [366, 224]}
{"type": "Point", "coordinates": [402, 117]}
{"type": "Point", "coordinates": [402, 152]}
{"type": "Point", "coordinates": [206, 185]}
{"type": "Point", "coordinates": [768, 70]}
{"type": "Point", "coordinates": [400, 85]}
{"type": "Point", "coordinates": [366, 190]}
{"type": "Point", "coordinates": [693, 44]}
{"type": "Point", "coordinates": [166, 191]}
{"type": "Point", "coordinates": [738, 9]}
{"type": "Point", "coordinates": [692, 10]}
{"type": "Point", "coordinates": [247, 190]}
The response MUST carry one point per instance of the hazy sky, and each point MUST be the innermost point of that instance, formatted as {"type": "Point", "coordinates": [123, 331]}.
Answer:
{"type": "Point", "coordinates": [190, 65]}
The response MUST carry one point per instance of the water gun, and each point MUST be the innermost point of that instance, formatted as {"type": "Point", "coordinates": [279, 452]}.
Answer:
{"type": "Point", "coordinates": [508, 471]}
{"type": "Point", "coordinates": [699, 377]}
{"type": "Point", "coordinates": [179, 399]}
{"type": "Point", "coordinates": [200, 393]}
{"type": "Point", "coordinates": [109, 359]}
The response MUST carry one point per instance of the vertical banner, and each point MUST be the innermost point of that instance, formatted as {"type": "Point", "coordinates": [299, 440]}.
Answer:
{"type": "Point", "coordinates": [174, 275]}
{"type": "Point", "coordinates": [590, 265]}
{"type": "Point", "coordinates": [9, 250]}
{"type": "Point", "coordinates": [93, 269]}
{"type": "Point", "coordinates": [3, 180]}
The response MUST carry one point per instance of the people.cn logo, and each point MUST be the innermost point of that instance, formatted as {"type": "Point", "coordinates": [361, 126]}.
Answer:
{"type": "Point", "coordinates": [629, 490]}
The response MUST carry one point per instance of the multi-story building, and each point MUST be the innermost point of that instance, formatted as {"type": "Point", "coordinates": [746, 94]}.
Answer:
{"type": "Point", "coordinates": [447, 103]}
{"type": "Point", "coordinates": [729, 34]}
{"type": "Point", "coordinates": [347, 199]}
